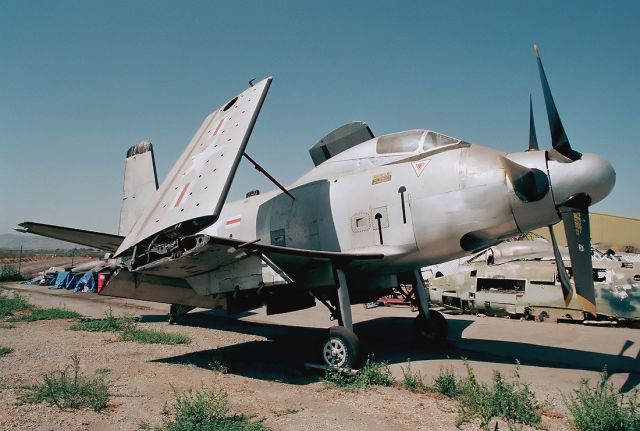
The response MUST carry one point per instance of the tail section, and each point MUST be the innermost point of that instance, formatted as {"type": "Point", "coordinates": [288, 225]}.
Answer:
{"type": "Point", "coordinates": [140, 183]}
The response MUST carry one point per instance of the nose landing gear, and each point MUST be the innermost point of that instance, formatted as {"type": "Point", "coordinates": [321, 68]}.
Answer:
{"type": "Point", "coordinates": [341, 348]}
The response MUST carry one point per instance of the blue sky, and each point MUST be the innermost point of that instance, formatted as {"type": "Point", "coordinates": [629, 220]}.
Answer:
{"type": "Point", "coordinates": [82, 81]}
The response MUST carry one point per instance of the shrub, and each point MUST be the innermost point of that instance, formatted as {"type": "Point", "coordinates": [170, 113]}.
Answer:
{"type": "Point", "coordinates": [602, 408]}
{"type": "Point", "coordinates": [70, 389]}
{"type": "Point", "coordinates": [372, 374]}
{"type": "Point", "coordinates": [205, 410]}
{"type": "Point", "coordinates": [5, 350]}
{"type": "Point", "coordinates": [9, 273]}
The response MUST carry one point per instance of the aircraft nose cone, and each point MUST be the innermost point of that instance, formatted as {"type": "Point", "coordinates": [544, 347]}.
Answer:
{"type": "Point", "coordinates": [592, 174]}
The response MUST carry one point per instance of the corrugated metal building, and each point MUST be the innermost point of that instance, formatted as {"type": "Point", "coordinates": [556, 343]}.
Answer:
{"type": "Point", "coordinates": [607, 231]}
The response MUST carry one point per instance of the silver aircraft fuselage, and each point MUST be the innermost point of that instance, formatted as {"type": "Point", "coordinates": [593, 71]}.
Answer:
{"type": "Point", "coordinates": [417, 196]}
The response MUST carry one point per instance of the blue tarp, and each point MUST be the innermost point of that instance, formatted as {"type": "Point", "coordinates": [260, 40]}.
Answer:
{"type": "Point", "coordinates": [88, 280]}
{"type": "Point", "coordinates": [65, 280]}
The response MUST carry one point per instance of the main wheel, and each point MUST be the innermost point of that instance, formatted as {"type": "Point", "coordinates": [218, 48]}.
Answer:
{"type": "Point", "coordinates": [341, 349]}
{"type": "Point", "coordinates": [432, 331]}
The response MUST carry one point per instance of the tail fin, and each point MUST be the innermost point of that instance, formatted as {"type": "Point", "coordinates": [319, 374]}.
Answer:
{"type": "Point", "coordinates": [140, 183]}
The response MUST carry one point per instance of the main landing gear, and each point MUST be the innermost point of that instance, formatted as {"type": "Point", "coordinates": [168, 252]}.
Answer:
{"type": "Point", "coordinates": [341, 349]}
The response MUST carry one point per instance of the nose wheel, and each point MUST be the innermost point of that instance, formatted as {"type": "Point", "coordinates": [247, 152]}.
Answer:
{"type": "Point", "coordinates": [341, 348]}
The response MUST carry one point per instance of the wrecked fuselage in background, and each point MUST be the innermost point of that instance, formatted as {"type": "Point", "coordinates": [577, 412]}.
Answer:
{"type": "Point", "coordinates": [521, 278]}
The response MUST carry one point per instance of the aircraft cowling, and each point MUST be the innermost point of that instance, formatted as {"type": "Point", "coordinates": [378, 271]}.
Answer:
{"type": "Point", "coordinates": [474, 195]}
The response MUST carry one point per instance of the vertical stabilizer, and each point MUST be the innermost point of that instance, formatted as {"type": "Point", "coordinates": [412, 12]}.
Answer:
{"type": "Point", "coordinates": [140, 183]}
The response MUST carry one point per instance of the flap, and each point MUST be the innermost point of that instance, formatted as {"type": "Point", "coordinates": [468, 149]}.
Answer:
{"type": "Point", "coordinates": [192, 195]}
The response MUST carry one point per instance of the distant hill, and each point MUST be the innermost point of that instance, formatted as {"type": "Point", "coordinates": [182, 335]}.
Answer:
{"type": "Point", "coordinates": [12, 241]}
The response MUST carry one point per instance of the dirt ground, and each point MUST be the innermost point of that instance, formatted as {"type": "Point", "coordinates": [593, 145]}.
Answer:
{"type": "Point", "coordinates": [267, 379]}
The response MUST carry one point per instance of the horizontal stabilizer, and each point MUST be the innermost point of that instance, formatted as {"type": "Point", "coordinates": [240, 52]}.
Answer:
{"type": "Point", "coordinates": [99, 240]}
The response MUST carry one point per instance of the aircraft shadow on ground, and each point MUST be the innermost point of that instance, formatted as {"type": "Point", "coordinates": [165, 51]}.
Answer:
{"type": "Point", "coordinates": [285, 350]}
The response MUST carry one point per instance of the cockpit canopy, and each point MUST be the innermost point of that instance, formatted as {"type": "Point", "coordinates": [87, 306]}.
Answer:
{"type": "Point", "coordinates": [411, 141]}
{"type": "Point", "coordinates": [355, 133]}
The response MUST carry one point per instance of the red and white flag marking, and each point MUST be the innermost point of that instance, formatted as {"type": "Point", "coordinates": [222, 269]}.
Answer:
{"type": "Point", "coordinates": [233, 221]}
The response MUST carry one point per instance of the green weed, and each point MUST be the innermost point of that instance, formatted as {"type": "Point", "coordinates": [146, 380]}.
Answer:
{"type": "Point", "coordinates": [127, 327]}
{"type": "Point", "coordinates": [12, 304]}
{"type": "Point", "coordinates": [38, 313]}
{"type": "Point", "coordinates": [16, 308]}
{"type": "Point", "coordinates": [413, 380]}
{"type": "Point", "coordinates": [372, 374]}
{"type": "Point", "coordinates": [602, 408]}
{"type": "Point", "coordinates": [5, 350]}
{"type": "Point", "coordinates": [446, 383]}
{"type": "Point", "coordinates": [70, 389]}
{"type": "Point", "coordinates": [205, 410]}
{"type": "Point", "coordinates": [9, 273]}
{"type": "Point", "coordinates": [511, 400]}
{"type": "Point", "coordinates": [131, 332]}
{"type": "Point", "coordinates": [109, 323]}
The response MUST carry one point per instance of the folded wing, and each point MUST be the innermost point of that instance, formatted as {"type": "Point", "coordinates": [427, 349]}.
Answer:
{"type": "Point", "coordinates": [192, 195]}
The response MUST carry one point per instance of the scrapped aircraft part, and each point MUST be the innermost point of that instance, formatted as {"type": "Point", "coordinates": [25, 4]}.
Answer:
{"type": "Point", "coordinates": [99, 240]}
{"type": "Point", "coordinates": [529, 184]}
{"type": "Point", "coordinates": [140, 184]}
{"type": "Point", "coordinates": [339, 140]}
{"type": "Point", "coordinates": [192, 195]}
{"type": "Point", "coordinates": [341, 349]}
{"type": "Point", "coordinates": [576, 224]}
{"type": "Point", "coordinates": [432, 331]}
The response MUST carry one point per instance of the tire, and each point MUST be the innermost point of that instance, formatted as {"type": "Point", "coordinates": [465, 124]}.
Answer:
{"type": "Point", "coordinates": [341, 349]}
{"type": "Point", "coordinates": [432, 331]}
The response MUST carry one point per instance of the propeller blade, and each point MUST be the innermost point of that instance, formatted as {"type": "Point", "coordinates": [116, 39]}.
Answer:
{"type": "Point", "coordinates": [576, 227]}
{"type": "Point", "coordinates": [567, 292]}
{"type": "Point", "coordinates": [533, 139]}
{"type": "Point", "coordinates": [559, 139]}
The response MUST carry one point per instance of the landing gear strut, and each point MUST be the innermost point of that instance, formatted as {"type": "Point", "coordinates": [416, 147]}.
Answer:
{"type": "Point", "coordinates": [430, 326]}
{"type": "Point", "coordinates": [176, 311]}
{"type": "Point", "coordinates": [341, 348]}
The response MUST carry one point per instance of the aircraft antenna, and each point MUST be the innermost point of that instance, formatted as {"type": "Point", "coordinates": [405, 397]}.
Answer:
{"type": "Point", "coordinates": [268, 175]}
